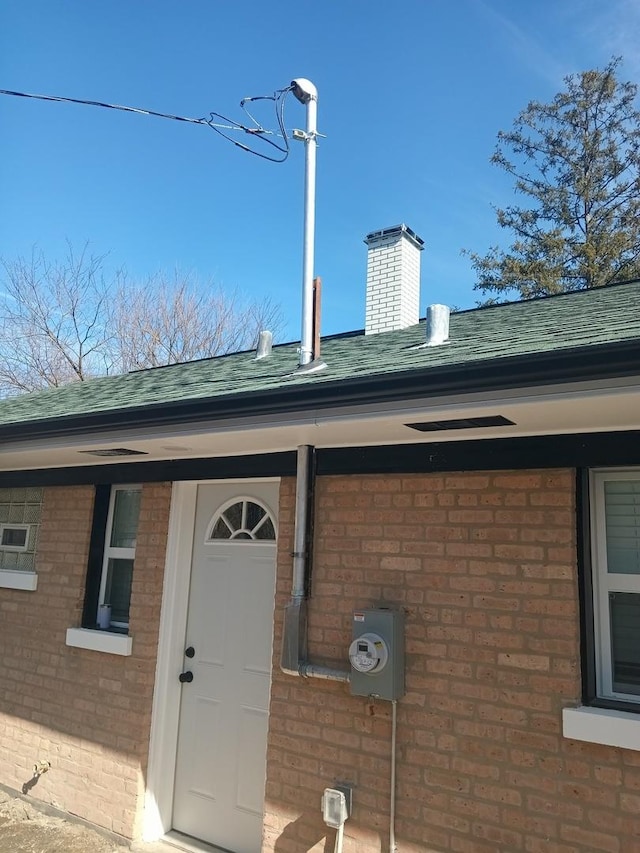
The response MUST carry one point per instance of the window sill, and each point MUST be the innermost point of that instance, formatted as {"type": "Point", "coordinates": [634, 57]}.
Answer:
{"type": "Point", "coordinates": [99, 641]}
{"type": "Point", "coordinates": [601, 725]}
{"type": "Point", "coordinates": [18, 580]}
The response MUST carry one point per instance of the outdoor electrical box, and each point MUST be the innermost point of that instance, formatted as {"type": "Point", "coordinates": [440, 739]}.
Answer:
{"type": "Point", "coordinates": [377, 654]}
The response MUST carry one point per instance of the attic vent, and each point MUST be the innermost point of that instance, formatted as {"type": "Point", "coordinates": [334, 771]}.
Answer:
{"type": "Point", "coordinates": [462, 423]}
{"type": "Point", "coordinates": [114, 451]}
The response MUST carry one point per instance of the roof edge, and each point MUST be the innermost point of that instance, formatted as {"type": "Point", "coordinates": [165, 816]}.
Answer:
{"type": "Point", "coordinates": [584, 363]}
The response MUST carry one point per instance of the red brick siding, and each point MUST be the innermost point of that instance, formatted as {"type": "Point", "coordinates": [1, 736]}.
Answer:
{"type": "Point", "coordinates": [484, 565]}
{"type": "Point", "coordinates": [88, 713]}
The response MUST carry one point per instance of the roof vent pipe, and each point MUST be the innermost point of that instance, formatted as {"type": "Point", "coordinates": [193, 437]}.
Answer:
{"type": "Point", "coordinates": [437, 325]}
{"type": "Point", "coordinates": [265, 342]}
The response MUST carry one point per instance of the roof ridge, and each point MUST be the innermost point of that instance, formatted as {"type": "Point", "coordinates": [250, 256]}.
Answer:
{"type": "Point", "coordinates": [335, 336]}
{"type": "Point", "coordinates": [582, 291]}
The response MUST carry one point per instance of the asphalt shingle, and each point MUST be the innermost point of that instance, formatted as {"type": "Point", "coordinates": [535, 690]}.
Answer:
{"type": "Point", "coordinates": [585, 318]}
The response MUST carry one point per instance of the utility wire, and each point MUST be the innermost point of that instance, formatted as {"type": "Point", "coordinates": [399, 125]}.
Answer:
{"type": "Point", "coordinates": [278, 98]}
{"type": "Point", "coordinates": [258, 131]}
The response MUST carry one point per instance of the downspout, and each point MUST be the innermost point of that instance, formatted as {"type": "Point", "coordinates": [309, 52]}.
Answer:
{"type": "Point", "coordinates": [294, 634]}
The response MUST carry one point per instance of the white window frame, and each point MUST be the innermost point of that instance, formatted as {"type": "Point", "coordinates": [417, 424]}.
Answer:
{"type": "Point", "coordinates": [8, 526]}
{"type": "Point", "coordinates": [603, 582]}
{"type": "Point", "coordinates": [111, 552]}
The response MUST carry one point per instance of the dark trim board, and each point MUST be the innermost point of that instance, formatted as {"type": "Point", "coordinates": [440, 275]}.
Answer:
{"type": "Point", "coordinates": [585, 587]}
{"type": "Point", "coordinates": [217, 468]}
{"type": "Point", "coordinates": [96, 553]}
{"type": "Point", "coordinates": [584, 450]}
{"type": "Point", "coordinates": [496, 454]}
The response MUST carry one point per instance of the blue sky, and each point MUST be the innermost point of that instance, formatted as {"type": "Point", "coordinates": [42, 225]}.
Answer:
{"type": "Point", "coordinates": [411, 97]}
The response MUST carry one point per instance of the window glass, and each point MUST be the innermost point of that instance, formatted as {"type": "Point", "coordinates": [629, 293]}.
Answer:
{"type": "Point", "coordinates": [14, 537]}
{"type": "Point", "coordinates": [234, 515]}
{"type": "Point", "coordinates": [118, 589]}
{"type": "Point", "coordinates": [266, 530]}
{"type": "Point", "coordinates": [255, 514]}
{"type": "Point", "coordinates": [625, 641]}
{"type": "Point", "coordinates": [244, 519]}
{"type": "Point", "coordinates": [125, 518]}
{"type": "Point", "coordinates": [119, 552]}
{"type": "Point", "coordinates": [221, 530]}
{"type": "Point", "coordinates": [20, 511]}
{"type": "Point", "coordinates": [615, 529]}
{"type": "Point", "coordinates": [622, 514]}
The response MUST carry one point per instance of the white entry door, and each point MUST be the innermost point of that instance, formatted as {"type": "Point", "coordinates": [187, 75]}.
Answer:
{"type": "Point", "coordinates": [222, 739]}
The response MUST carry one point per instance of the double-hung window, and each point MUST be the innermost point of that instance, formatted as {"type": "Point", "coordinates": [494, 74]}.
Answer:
{"type": "Point", "coordinates": [119, 553]}
{"type": "Point", "coordinates": [111, 557]}
{"type": "Point", "coordinates": [615, 556]}
{"type": "Point", "coordinates": [112, 549]}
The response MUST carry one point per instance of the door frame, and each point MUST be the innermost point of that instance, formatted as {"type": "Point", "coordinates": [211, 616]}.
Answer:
{"type": "Point", "coordinates": [165, 714]}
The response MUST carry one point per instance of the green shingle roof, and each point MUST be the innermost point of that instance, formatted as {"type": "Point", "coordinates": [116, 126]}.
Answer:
{"type": "Point", "coordinates": [582, 319]}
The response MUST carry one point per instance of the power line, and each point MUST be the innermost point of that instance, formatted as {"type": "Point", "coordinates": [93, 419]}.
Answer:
{"type": "Point", "coordinates": [258, 131]}
{"type": "Point", "coordinates": [278, 98]}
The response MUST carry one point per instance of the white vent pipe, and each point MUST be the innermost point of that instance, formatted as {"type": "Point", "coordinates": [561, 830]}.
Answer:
{"type": "Point", "coordinates": [437, 325]}
{"type": "Point", "coordinates": [265, 342]}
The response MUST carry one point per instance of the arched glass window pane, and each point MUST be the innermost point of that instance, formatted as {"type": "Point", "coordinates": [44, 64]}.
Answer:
{"type": "Point", "coordinates": [266, 531]}
{"type": "Point", "coordinates": [234, 515]}
{"type": "Point", "coordinates": [255, 514]}
{"type": "Point", "coordinates": [221, 530]}
{"type": "Point", "coordinates": [243, 519]}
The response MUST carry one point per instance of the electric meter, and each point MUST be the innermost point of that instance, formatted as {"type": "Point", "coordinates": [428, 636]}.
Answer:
{"type": "Point", "coordinates": [377, 653]}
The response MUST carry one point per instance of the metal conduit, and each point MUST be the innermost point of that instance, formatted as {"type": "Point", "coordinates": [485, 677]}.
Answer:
{"type": "Point", "coordinates": [293, 659]}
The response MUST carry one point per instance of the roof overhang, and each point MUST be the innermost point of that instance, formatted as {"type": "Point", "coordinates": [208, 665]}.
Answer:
{"type": "Point", "coordinates": [589, 364]}
{"type": "Point", "coordinates": [601, 405]}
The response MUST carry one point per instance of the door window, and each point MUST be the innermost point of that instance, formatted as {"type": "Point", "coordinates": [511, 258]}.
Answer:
{"type": "Point", "coordinates": [243, 519]}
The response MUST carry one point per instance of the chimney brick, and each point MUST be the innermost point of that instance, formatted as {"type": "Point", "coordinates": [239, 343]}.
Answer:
{"type": "Point", "coordinates": [393, 279]}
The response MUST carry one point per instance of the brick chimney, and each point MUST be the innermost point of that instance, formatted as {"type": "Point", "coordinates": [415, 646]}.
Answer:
{"type": "Point", "coordinates": [393, 279]}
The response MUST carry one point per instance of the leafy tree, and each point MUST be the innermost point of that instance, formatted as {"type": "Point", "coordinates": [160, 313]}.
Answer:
{"type": "Point", "coordinates": [64, 321]}
{"type": "Point", "coordinates": [577, 162]}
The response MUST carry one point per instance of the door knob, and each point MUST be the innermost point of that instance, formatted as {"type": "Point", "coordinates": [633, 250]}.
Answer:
{"type": "Point", "coordinates": [189, 652]}
{"type": "Point", "coordinates": [185, 677]}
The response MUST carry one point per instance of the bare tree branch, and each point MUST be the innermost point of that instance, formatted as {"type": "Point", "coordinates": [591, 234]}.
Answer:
{"type": "Point", "coordinates": [64, 321]}
{"type": "Point", "coordinates": [170, 320]}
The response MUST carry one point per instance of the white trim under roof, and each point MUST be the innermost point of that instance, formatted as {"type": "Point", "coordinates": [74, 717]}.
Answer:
{"type": "Point", "coordinates": [552, 410]}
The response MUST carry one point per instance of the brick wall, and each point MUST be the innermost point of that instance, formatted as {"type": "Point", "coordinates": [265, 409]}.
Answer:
{"type": "Point", "coordinates": [484, 565]}
{"type": "Point", "coordinates": [86, 712]}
